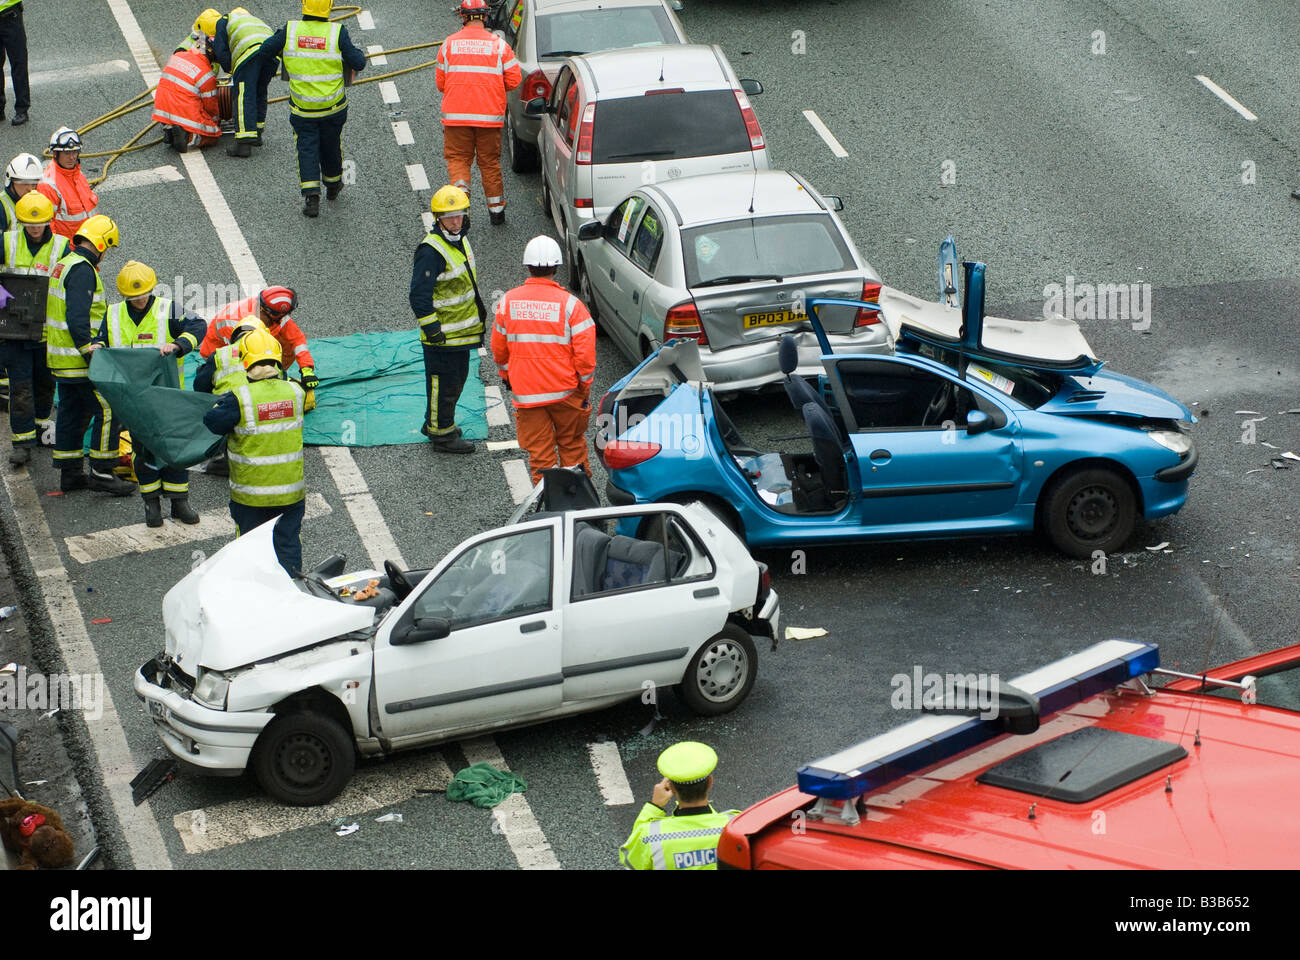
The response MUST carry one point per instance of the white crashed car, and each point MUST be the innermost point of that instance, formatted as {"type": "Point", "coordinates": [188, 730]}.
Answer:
{"type": "Point", "coordinates": [554, 615]}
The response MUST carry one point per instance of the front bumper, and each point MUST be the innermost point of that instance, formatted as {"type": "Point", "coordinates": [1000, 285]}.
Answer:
{"type": "Point", "coordinates": [1179, 471]}
{"type": "Point", "coordinates": [771, 615]}
{"type": "Point", "coordinates": [217, 741]}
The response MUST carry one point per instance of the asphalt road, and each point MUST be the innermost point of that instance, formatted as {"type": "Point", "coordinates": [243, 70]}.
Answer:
{"type": "Point", "coordinates": [993, 121]}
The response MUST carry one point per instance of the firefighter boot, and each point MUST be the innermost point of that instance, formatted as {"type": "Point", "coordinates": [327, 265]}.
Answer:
{"type": "Point", "coordinates": [107, 483]}
{"type": "Point", "coordinates": [182, 511]}
{"type": "Point", "coordinates": [152, 511]}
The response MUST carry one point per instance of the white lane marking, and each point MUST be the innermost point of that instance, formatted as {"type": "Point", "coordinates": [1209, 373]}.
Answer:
{"type": "Point", "coordinates": [502, 444]}
{"type": "Point", "coordinates": [84, 72]}
{"type": "Point", "coordinates": [140, 178]}
{"type": "Point", "coordinates": [376, 58]}
{"type": "Point", "coordinates": [252, 818]}
{"type": "Point", "coordinates": [824, 132]}
{"type": "Point", "coordinates": [1225, 96]}
{"type": "Point", "coordinates": [137, 538]}
{"type": "Point", "coordinates": [518, 479]}
{"type": "Point", "coordinates": [388, 90]}
{"type": "Point", "coordinates": [375, 535]}
{"type": "Point", "coordinates": [365, 21]}
{"type": "Point", "coordinates": [223, 221]}
{"type": "Point", "coordinates": [112, 755]}
{"type": "Point", "coordinates": [419, 179]}
{"type": "Point", "coordinates": [141, 53]}
{"type": "Point", "coordinates": [402, 133]}
{"type": "Point", "coordinates": [609, 773]}
{"type": "Point", "coordinates": [513, 814]}
{"type": "Point", "coordinates": [498, 415]}
{"type": "Point", "coordinates": [427, 217]}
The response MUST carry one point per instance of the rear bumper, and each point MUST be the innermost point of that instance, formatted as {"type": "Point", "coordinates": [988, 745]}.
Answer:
{"type": "Point", "coordinates": [771, 614]}
{"type": "Point", "coordinates": [753, 366]}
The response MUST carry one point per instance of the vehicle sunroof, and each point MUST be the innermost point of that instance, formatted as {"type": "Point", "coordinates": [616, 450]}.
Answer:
{"type": "Point", "coordinates": [1096, 761]}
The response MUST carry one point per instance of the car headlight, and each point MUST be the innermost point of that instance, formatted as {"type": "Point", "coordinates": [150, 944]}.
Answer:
{"type": "Point", "coordinates": [211, 690]}
{"type": "Point", "coordinates": [1179, 443]}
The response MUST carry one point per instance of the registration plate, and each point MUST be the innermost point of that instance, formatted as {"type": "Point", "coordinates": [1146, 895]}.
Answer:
{"type": "Point", "coordinates": [156, 709]}
{"type": "Point", "coordinates": [771, 318]}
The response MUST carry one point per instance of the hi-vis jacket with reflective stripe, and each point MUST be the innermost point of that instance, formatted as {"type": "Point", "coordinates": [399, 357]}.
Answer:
{"type": "Point", "coordinates": [64, 352]}
{"type": "Point", "coordinates": [293, 342]}
{"type": "Point", "coordinates": [7, 211]}
{"type": "Point", "coordinates": [187, 94]}
{"type": "Point", "coordinates": [158, 325]}
{"type": "Point", "coordinates": [229, 371]}
{"type": "Point", "coordinates": [20, 259]}
{"type": "Point", "coordinates": [265, 447]}
{"type": "Point", "coordinates": [475, 69]}
{"type": "Point", "coordinates": [455, 307]}
{"type": "Point", "coordinates": [243, 36]}
{"type": "Point", "coordinates": [661, 842]}
{"type": "Point", "coordinates": [69, 191]}
{"type": "Point", "coordinates": [315, 67]}
{"type": "Point", "coordinates": [544, 342]}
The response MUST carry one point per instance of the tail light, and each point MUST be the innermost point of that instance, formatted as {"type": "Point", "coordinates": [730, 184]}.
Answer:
{"type": "Point", "coordinates": [585, 132]}
{"type": "Point", "coordinates": [866, 317]}
{"type": "Point", "coordinates": [536, 85]}
{"type": "Point", "coordinates": [621, 454]}
{"type": "Point", "coordinates": [583, 203]}
{"type": "Point", "coordinates": [764, 585]}
{"type": "Point", "coordinates": [752, 128]}
{"type": "Point", "coordinates": [683, 323]}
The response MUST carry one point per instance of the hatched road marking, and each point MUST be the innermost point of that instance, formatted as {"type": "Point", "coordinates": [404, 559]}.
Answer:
{"type": "Point", "coordinates": [140, 178]}
{"type": "Point", "coordinates": [1225, 96]}
{"type": "Point", "coordinates": [824, 132]}
{"type": "Point", "coordinates": [427, 217]}
{"type": "Point", "coordinates": [497, 414]}
{"type": "Point", "coordinates": [375, 535]}
{"type": "Point", "coordinates": [365, 21]}
{"type": "Point", "coordinates": [502, 444]}
{"type": "Point", "coordinates": [608, 765]}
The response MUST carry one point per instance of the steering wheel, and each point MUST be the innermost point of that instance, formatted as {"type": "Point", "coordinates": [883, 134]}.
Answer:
{"type": "Point", "coordinates": [938, 406]}
{"type": "Point", "coordinates": [397, 581]}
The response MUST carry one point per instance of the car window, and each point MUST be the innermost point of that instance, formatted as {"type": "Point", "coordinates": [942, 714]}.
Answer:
{"type": "Point", "coordinates": [562, 99]}
{"type": "Point", "coordinates": [512, 24]}
{"type": "Point", "coordinates": [1033, 388]}
{"type": "Point", "coordinates": [585, 31]}
{"type": "Point", "coordinates": [661, 554]}
{"type": "Point", "coordinates": [895, 396]}
{"type": "Point", "coordinates": [791, 246]}
{"type": "Point", "coordinates": [569, 114]}
{"type": "Point", "coordinates": [660, 126]}
{"type": "Point", "coordinates": [504, 577]}
{"type": "Point", "coordinates": [621, 226]}
{"type": "Point", "coordinates": [649, 240]}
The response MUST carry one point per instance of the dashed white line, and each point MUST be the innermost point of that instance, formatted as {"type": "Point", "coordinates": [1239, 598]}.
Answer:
{"type": "Point", "coordinates": [824, 132]}
{"type": "Point", "coordinates": [365, 21]}
{"type": "Point", "coordinates": [402, 133]}
{"type": "Point", "coordinates": [388, 90]}
{"type": "Point", "coordinates": [513, 814]}
{"type": "Point", "coordinates": [83, 72]}
{"type": "Point", "coordinates": [518, 479]}
{"type": "Point", "coordinates": [419, 179]}
{"type": "Point", "coordinates": [497, 413]}
{"type": "Point", "coordinates": [502, 444]}
{"type": "Point", "coordinates": [376, 58]}
{"type": "Point", "coordinates": [610, 775]}
{"type": "Point", "coordinates": [1225, 96]}
{"type": "Point", "coordinates": [140, 178]}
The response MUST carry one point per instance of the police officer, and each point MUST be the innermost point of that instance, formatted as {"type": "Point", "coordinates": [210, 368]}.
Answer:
{"type": "Point", "coordinates": [687, 839]}
{"type": "Point", "coordinates": [144, 321]}
{"type": "Point", "coordinates": [450, 312]}
{"type": "Point", "coordinates": [263, 421]}
{"type": "Point", "coordinates": [315, 52]}
{"type": "Point", "coordinates": [237, 46]}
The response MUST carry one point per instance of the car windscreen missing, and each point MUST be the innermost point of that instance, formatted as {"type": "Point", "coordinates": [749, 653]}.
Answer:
{"type": "Point", "coordinates": [1083, 765]}
{"type": "Point", "coordinates": [787, 246]}
{"type": "Point", "coordinates": [661, 126]}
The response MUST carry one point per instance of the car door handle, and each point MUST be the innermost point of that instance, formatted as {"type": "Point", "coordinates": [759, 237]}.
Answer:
{"type": "Point", "coordinates": [532, 626]}
{"type": "Point", "coordinates": [880, 456]}
{"type": "Point", "coordinates": [636, 297]}
{"type": "Point", "coordinates": [705, 592]}
{"type": "Point", "coordinates": [611, 274]}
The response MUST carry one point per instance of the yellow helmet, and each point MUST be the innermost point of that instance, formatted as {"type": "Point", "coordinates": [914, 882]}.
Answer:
{"type": "Point", "coordinates": [34, 207]}
{"type": "Point", "coordinates": [99, 230]}
{"type": "Point", "coordinates": [245, 327]}
{"type": "Point", "coordinates": [449, 199]}
{"type": "Point", "coordinates": [206, 23]}
{"type": "Point", "coordinates": [317, 8]}
{"type": "Point", "coordinates": [136, 279]}
{"type": "Point", "coordinates": [239, 12]}
{"type": "Point", "coordinates": [257, 347]}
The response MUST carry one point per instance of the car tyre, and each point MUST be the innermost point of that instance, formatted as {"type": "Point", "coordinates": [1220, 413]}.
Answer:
{"type": "Point", "coordinates": [304, 758]}
{"type": "Point", "coordinates": [1089, 510]}
{"type": "Point", "coordinates": [585, 293]}
{"type": "Point", "coordinates": [721, 673]}
{"type": "Point", "coordinates": [523, 155]}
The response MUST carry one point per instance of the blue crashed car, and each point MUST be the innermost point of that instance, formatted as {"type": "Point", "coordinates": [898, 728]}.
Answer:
{"type": "Point", "coordinates": [973, 425]}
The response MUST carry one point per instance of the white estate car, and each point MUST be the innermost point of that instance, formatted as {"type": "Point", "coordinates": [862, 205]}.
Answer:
{"type": "Point", "coordinates": [554, 615]}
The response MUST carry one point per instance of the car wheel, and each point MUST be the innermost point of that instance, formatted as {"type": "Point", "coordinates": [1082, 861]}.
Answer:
{"type": "Point", "coordinates": [523, 156]}
{"type": "Point", "coordinates": [304, 759]}
{"type": "Point", "coordinates": [585, 293]}
{"type": "Point", "coordinates": [1088, 511]}
{"type": "Point", "coordinates": [721, 674]}
{"type": "Point", "coordinates": [575, 268]}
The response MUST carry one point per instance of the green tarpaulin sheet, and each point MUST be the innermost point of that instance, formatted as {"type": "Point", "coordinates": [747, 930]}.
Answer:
{"type": "Point", "coordinates": [483, 784]}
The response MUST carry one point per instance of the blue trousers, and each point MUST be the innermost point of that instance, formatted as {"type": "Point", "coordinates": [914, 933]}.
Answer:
{"type": "Point", "coordinates": [80, 405]}
{"type": "Point", "coordinates": [156, 480]}
{"type": "Point", "coordinates": [445, 372]}
{"type": "Point", "coordinates": [13, 44]}
{"type": "Point", "coordinates": [320, 149]}
{"type": "Point", "coordinates": [288, 532]}
{"type": "Point", "coordinates": [251, 79]}
{"type": "Point", "coordinates": [31, 388]}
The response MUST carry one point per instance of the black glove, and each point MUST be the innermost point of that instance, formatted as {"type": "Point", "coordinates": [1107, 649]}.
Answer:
{"type": "Point", "coordinates": [309, 379]}
{"type": "Point", "coordinates": [435, 339]}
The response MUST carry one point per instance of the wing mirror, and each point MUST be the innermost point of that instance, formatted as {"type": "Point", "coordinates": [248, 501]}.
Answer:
{"type": "Point", "coordinates": [536, 107]}
{"type": "Point", "coordinates": [836, 203]}
{"type": "Point", "coordinates": [421, 631]}
{"type": "Point", "coordinates": [977, 421]}
{"type": "Point", "coordinates": [591, 230]}
{"type": "Point", "coordinates": [752, 88]}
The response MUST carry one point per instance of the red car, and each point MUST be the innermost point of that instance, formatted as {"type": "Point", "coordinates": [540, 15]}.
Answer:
{"type": "Point", "coordinates": [1086, 765]}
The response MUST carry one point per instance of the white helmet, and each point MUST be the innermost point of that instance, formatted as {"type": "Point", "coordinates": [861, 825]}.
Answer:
{"type": "Point", "coordinates": [542, 251]}
{"type": "Point", "coordinates": [23, 167]}
{"type": "Point", "coordinates": [65, 138]}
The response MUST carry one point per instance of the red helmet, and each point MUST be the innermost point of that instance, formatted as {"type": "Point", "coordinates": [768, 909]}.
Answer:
{"type": "Point", "coordinates": [278, 301]}
{"type": "Point", "coordinates": [473, 7]}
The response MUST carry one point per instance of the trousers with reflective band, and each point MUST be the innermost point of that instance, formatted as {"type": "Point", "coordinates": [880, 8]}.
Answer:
{"type": "Point", "coordinates": [153, 330]}
{"type": "Point", "coordinates": [454, 306]}
{"type": "Point", "coordinates": [661, 842]}
{"type": "Point", "coordinates": [19, 258]}
{"type": "Point", "coordinates": [230, 370]}
{"type": "Point", "coordinates": [265, 448]}
{"type": "Point", "coordinates": [244, 35]}
{"type": "Point", "coordinates": [315, 67]}
{"type": "Point", "coordinates": [65, 359]}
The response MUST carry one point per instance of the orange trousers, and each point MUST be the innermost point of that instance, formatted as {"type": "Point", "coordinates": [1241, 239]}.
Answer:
{"type": "Point", "coordinates": [460, 146]}
{"type": "Point", "coordinates": [560, 424]}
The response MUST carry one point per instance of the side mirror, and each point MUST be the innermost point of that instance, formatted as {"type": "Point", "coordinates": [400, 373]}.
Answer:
{"type": "Point", "coordinates": [977, 421]}
{"type": "Point", "coordinates": [836, 203]}
{"type": "Point", "coordinates": [421, 631]}
{"type": "Point", "coordinates": [536, 107]}
{"type": "Point", "coordinates": [751, 87]}
{"type": "Point", "coordinates": [591, 230]}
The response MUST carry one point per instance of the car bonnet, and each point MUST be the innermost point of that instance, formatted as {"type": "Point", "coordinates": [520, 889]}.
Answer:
{"type": "Point", "coordinates": [1107, 393]}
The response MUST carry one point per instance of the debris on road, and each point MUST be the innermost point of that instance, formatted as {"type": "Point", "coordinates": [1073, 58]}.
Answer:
{"type": "Point", "coordinates": [7, 612]}
{"type": "Point", "coordinates": [1159, 546]}
{"type": "Point", "coordinates": [484, 785]}
{"type": "Point", "coordinates": [347, 830]}
{"type": "Point", "coordinates": [804, 633]}
{"type": "Point", "coordinates": [390, 818]}
{"type": "Point", "coordinates": [153, 776]}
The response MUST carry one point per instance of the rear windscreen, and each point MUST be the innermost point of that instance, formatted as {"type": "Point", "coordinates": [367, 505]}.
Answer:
{"type": "Point", "coordinates": [661, 126]}
{"type": "Point", "coordinates": [586, 31]}
{"type": "Point", "coordinates": [793, 246]}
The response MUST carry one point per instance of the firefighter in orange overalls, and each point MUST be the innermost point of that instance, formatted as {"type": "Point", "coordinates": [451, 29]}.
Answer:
{"type": "Point", "coordinates": [544, 343]}
{"type": "Point", "coordinates": [66, 186]}
{"type": "Point", "coordinates": [272, 306]}
{"type": "Point", "coordinates": [475, 70]}
{"type": "Point", "coordinates": [185, 102]}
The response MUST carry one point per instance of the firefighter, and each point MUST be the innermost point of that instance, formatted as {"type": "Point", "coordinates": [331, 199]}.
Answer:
{"type": "Point", "coordinates": [202, 33]}
{"type": "Point", "coordinates": [65, 184]}
{"type": "Point", "coordinates": [315, 54]}
{"type": "Point", "coordinates": [475, 70]}
{"type": "Point", "coordinates": [237, 45]}
{"type": "Point", "coordinates": [221, 373]}
{"type": "Point", "coordinates": [686, 839]}
{"type": "Point", "coordinates": [185, 101]}
{"type": "Point", "coordinates": [22, 176]}
{"type": "Point", "coordinates": [144, 322]}
{"type": "Point", "coordinates": [263, 424]}
{"type": "Point", "coordinates": [74, 315]}
{"type": "Point", "coordinates": [450, 312]}
{"type": "Point", "coordinates": [272, 306]}
{"type": "Point", "coordinates": [544, 343]}
{"type": "Point", "coordinates": [13, 44]}
{"type": "Point", "coordinates": [30, 249]}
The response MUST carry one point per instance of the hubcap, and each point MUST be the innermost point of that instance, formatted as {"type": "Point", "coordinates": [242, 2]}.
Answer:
{"type": "Point", "coordinates": [721, 670]}
{"type": "Point", "coordinates": [1092, 513]}
{"type": "Point", "coordinates": [303, 761]}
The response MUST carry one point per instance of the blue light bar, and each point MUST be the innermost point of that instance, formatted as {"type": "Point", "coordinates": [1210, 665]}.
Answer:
{"type": "Point", "coordinates": [934, 738]}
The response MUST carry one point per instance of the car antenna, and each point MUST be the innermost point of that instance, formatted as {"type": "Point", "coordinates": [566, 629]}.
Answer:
{"type": "Point", "coordinates": [753, 189]}
{"type": "Point", "coordinates": [1217, 615]}
{"type": "Point", "coordinates": [661, 69]}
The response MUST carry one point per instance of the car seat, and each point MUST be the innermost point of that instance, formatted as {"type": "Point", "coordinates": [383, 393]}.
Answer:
{"type": "Point", "coordinates": [828, 488]}
{"type": "Point", "coordinates": [590, 550]}
{"type": "Point", "coordinates": [796, 387]}
{"type": "Point", "coordinates": [631, 563]}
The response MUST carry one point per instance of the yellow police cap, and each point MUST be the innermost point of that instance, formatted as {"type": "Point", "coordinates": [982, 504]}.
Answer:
{"type": "Point", "coordinates": [688, 762]}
